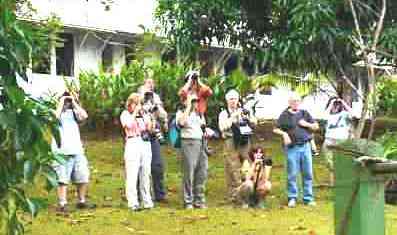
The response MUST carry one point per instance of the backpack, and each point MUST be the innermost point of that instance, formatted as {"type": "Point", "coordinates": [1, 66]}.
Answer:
{"type": "Point", "coordinates": [174, 134]}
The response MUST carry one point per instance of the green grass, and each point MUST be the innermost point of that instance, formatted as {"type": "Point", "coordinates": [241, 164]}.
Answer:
{"type": "Point", "coordinates": [112, 216]}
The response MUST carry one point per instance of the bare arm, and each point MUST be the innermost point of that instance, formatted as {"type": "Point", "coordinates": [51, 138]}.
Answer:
{"type": "Point", "coordinates": [312, 126]}
{"type": "Point", "coordinates": [80, 112]}
{"type": "Point", "coordinates": [284, 135]}
{"type": "Point", "coordinates": [59, 108]}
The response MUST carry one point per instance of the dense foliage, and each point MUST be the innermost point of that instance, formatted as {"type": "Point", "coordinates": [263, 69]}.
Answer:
{"type": "Point", "coordinates": [25, 125]}
{"type": "Point", "coordinates": [104, 95]}
{"type": "Point", "coordinates": [348, 41]}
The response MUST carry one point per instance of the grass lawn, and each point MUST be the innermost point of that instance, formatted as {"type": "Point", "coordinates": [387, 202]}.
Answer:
{"type": "Point", "coordinates": [112, 216]}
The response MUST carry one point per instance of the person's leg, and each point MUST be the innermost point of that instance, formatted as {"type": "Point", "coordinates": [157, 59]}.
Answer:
{"type": "Point", "coordinates": [132, 158]}
{"type": "Point", "coordinates": [200, 178]}
{"type": "Point", "coordinates": [81, 176]}
{"type": "Point", "coordinates": [61, 193]}
{"type": "Point", "coordinates": [144, 176]}
{"type": "Point", "coordinates": [262, 190]}
{"type": "Point", "coordinates": [64, 174]}
{"type": "Point", "coordinates": [190, 154]}
{"type": "Point", "coordinates": [245, 191]}
{"type": "Point", "coordinates": [329, 159]}
{"type": "Point", "coordinates": [292, 170]}
{"type": "Point", "coordinates": [157, 169]}
{"type": "Point", "coordinates": [228, 147]}
{"type": "Point", "coordinates": [307, 173]}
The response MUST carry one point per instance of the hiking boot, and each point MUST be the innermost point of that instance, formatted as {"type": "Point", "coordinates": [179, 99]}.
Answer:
{"type": "Point", "coordinates": [85, 205]}
{"type": "Point", "coordinates": [200, 206]}
{"type": "Point", "coordinates": [62, 210]}
{"type": "Point", "coordinates": [292, 203]}
{"type": "Point", "coordinates": [135, 209]}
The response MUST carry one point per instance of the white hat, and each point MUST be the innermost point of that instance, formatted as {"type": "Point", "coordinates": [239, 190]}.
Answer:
{"type": "Point", "coordinates": [232, 94]}
{"type": "Point", "coordinates": [294, 96]}
{"type": "Point", "coordinates": [191, 73]}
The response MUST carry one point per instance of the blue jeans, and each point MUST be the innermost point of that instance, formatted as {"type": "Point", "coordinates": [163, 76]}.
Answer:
{"type": "Point", "coordinates": [299, 159]}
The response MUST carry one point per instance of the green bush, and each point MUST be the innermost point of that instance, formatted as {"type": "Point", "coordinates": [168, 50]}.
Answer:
{"type": "Point", "coordinates": [26, 125]}
{"type": "Point", "coordinates": [104, 95]}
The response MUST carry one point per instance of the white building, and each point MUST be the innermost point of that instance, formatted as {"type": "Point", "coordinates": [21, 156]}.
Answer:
{"type": "Point", "coordinates": [96, 34]}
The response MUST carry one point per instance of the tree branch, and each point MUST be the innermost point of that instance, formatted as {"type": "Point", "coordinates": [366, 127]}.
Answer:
{"type": "Point", "coordinates": [379, 26]}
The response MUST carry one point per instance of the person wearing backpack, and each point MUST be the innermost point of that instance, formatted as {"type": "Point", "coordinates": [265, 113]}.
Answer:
{"type": "Point", "coordinates": [235, 124]}
{"type": "Point", "coordinates": [295, 126]}
{"type": "Point", "coordinates": [70, 114]}
{"type": "Point", "coordinates": [194, 156]}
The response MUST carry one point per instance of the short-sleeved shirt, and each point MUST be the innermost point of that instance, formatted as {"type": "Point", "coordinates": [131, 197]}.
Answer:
{"type": "Point", "coordinates": [338, 126]}
{"type": "Point", "coordinates": [288, 122]}
{"type": "Point", "coordinates": [69, 135]}
{"type": "Point", "coordinates": [132, 126]}
{"type": "Point", "coordinates": [192, 128]}
{"type": "Point", "coordinates": [203, 93]}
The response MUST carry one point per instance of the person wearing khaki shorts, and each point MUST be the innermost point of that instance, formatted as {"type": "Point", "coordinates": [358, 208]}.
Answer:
{"type": "Point", "coordinates": [235, 151]}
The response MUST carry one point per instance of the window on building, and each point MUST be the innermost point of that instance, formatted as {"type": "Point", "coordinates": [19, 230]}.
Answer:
{"type": "Point", "coordinates": [65, 55]}
{"type": "Point", "coordinates": [107, 58]}
{"type": "Point", "coordinates": [130, 54]}
{"type": "Point", "coordinates": [41, 61]}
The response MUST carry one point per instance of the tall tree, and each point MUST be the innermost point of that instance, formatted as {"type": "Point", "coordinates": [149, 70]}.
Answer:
{"type": "Point", "coordinates": [25, 124]}
{"type": "Point", "coordinates": [349, 41]}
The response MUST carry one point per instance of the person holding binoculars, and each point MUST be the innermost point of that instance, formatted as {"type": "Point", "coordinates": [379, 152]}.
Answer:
{"type": "Point", "coordinates": [70, 114]}
{"type": "Point", "coordinates": [236, 124]}
{"type": "Point", "coordinates": [153, 105]}
{"type": "Point", "coordinates": [137, 126]}
{"type": "Point", "coordinates": [194, 156]}
{"type": "Point", "coordinates": [194, 86]}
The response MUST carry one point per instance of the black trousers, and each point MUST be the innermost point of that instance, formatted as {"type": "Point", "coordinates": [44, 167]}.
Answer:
{"type": "Point", "coordinates": [157, 171]}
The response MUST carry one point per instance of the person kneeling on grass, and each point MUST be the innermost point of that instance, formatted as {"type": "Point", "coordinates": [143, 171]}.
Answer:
{"type": "Point", "coordinates": [255, 179]}
{"type": "Point", "coordinates": [75, 167]}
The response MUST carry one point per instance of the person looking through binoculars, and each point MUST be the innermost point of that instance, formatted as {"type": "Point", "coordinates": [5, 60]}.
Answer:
{"type": "Point", "coordinates": [236, 124]}
{"type": "Point", "coordinates": [75, 168]}
{"type": "Point", "coordinates": [153, 106]}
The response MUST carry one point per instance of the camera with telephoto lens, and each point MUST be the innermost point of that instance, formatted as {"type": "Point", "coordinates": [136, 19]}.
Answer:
{"type": "Point", "coordinates": [148, 103]}
{"type": "Point", "coordinates": [157, 133]}
{"type": "Point", "coordinates": [145, 135]}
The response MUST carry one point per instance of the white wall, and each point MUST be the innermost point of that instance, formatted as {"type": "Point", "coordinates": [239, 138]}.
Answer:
{"type": "Point", "coordinates": [88, 55]}
{"type": "Point", "coordinates": [271, 106]}
{"type": "Point", "coordinates": [124, 15]}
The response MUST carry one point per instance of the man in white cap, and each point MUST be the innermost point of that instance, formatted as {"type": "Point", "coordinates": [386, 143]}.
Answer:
{"type": "Point", "coordinates": [235, 124]}
{"type": "Point", "coordinates": [295, 126]}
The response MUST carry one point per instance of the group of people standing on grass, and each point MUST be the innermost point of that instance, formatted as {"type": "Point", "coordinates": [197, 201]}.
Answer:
{"type": "Point", "coordinates": [247, 167]}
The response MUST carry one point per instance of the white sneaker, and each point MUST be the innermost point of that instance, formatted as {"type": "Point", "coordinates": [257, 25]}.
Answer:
{"type": "Point", "coordinates": [311, 203]}
{"type": "Point", "coordinates": [292, 203]}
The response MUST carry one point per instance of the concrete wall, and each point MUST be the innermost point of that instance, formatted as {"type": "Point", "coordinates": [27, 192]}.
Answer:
{"type": "Point", "coordinates": [270, 106]}
{"type": "Point", "coordinates": [123, 15]}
